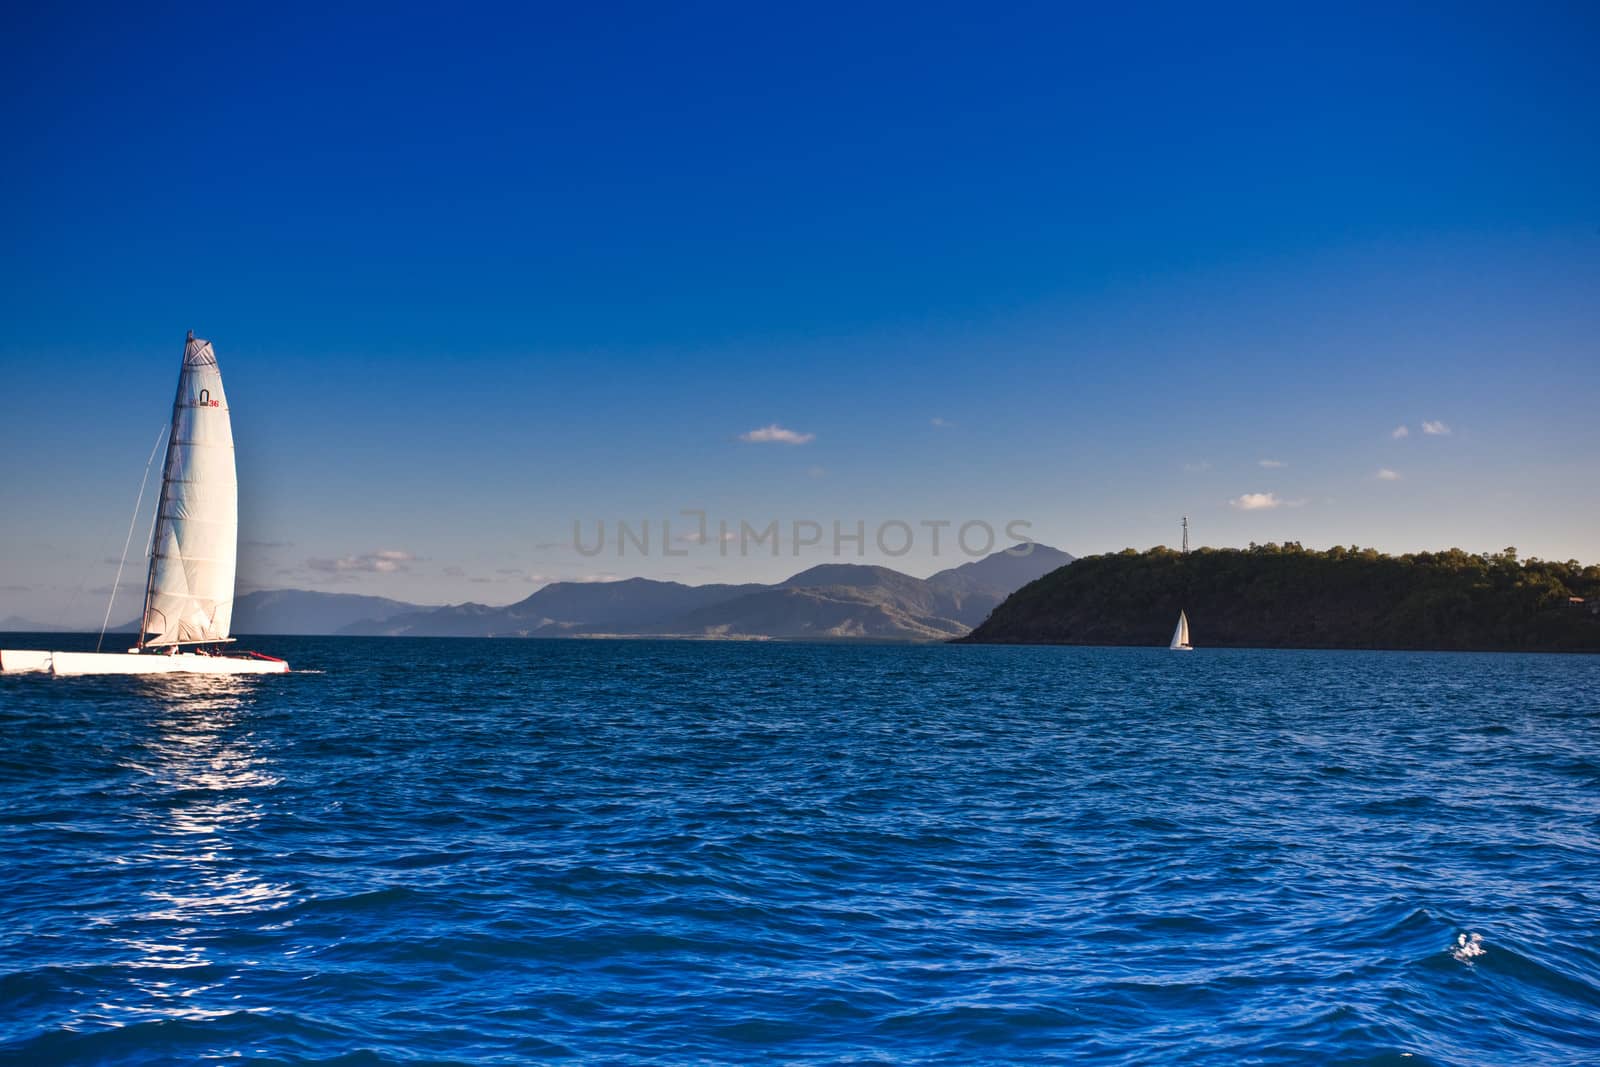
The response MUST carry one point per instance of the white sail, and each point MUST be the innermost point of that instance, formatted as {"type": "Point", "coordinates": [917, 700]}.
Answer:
{"type": "Point", "coordinates": [1180, 636]}
{"type": "Point", "coordinates": [189, 593]}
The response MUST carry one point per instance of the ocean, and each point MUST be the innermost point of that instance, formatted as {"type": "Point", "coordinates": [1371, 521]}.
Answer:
{"type": "Point", "coordinates": [477, 851]}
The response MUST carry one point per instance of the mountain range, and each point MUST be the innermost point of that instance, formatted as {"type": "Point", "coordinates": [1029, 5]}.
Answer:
{"type": "Point", "coordinates": [267, 611]}
{"type": "Point", "coordinates": [833, 601]}
{"type": "Point", "coordinates": [827, 602]}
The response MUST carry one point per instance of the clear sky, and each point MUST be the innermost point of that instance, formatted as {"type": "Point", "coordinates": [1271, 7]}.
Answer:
{"type": "Point", "coordinates": [473, 274]}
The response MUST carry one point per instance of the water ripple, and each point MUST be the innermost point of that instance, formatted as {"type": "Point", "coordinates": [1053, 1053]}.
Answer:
{"type": "Point", "coordinates": [503, 852]}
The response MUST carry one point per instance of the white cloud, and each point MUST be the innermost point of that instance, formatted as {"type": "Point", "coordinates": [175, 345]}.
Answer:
{"type": "Point", "coordinates": [1194, 468]}
{"type": "Point", "coordinates": [1272, 464]}
{"type": "Point", "coordinates": [1386, 475]}
{"type": "Point", "coordinates": [1435, 429]}
{"type": "Point", "coordinates": [1256, 501]}
{"type": "Point", "coordinates": [777, 433]}
{"type": "Point", "coordinates": [542, 580]}
{"type": "Point", "coordinates": [1400, 431]}
{"type": "Point", "coordinates": [698, 538]}
{"type": "Point", "coordinates": [941, 423]}
{"type": "Point", "coordinates": [383, 561]}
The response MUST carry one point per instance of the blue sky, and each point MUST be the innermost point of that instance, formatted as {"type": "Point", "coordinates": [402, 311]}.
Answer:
{"type": "Point", "coordinates": [475, 274]}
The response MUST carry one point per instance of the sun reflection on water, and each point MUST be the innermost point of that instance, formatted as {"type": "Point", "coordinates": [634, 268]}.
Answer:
{"type": "Point", "coordinates": [206, 776]}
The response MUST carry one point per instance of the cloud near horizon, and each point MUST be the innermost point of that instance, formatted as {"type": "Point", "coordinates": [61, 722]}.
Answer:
{"type": "Point", "coordinates": [698, 538]}
{"type": "Point", "coordinates": [1386, 475]}
{"type": "Point", "coordinates": [1400, 431]}
{"type": "Point", "coordinates": [542, 580]}
{"type": "Point", "coordinates": [1256, 501]}
{"type": "Point", "coordinates": [1435, 429]}
{"type": "Point", "coordinates": [383, 561]}
{"type": "Point", "coordinates": [774, 432]}
{"type": "Point", "coordinates": [1272, 464]}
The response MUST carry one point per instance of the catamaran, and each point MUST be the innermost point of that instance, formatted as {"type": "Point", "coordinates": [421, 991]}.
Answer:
{"type": "Point", "coordinates": [188, 595]}
{"type": "Point", "coordinates": [1180, 636]}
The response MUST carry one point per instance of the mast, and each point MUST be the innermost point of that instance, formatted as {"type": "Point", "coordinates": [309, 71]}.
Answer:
{"type": "Point", "coordinates": [161, 501]}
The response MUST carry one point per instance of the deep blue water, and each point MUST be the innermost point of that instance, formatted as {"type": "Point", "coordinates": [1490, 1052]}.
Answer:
{"type": "Point", "coordinates": [514, 851]}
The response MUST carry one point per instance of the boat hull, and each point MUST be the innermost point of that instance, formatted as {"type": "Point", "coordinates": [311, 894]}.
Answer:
{"type": "Point", "coordinates": [76, 663]}
{"type": "Point", "coordinates": [19, 661]}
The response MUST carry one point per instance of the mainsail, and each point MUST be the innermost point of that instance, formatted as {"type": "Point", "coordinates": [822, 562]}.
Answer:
{"type": "Point", "coordinates": [1180, 636]}
{"type": "Point", "coordinates": [189, 593]}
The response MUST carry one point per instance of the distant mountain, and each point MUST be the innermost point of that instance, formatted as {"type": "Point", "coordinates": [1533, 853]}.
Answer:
{"type": "Point", "coordinates": [16, 624]}
{"type": "Point", "coordinates": [834, 600]}
{"type": "Point", "coordinates": [977, 588]}
{"type": "Point", "coordinates": [301, 611]}
{"type": "Point", "coordinates": [454, 620]}
{"type": "Point", "coordinates": [559, 609]}
{"type": "Point", "coordinates": [1004, 572]}
{"type": "Point", "coordinates": [827, 602]}
{"type": "Point", "coordinates": [830, 601]}
{"type": "Point", "coordinates": [849, 575]}
{"type": "Point", "coordinates": [633, 602]}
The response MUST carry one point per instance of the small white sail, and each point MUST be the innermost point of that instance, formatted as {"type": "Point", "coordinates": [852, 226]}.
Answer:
{"type": "Point", "coordinates": [1180, 635]}
{"type": "Point", "coordinates": [189, 594]}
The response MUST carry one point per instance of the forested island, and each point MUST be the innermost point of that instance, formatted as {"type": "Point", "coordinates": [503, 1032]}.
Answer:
{"type": "Point", "coordinates": [1286, 596]}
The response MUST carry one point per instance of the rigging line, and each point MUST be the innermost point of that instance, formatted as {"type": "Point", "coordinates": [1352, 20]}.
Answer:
{"type": "Point", "coordinates": [150, 554]}
{"type": "Point", "coordinates": [132, 519]}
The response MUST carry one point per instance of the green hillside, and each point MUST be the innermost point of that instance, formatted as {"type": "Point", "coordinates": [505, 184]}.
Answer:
{"type": "Point", "coordinates": [1287, 596]}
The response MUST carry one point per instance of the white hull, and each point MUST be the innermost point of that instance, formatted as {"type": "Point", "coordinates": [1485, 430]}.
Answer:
{"type": "Point", "coordinates": [74, 663]}
{"type": "Point", "coordinates": [19, 662]}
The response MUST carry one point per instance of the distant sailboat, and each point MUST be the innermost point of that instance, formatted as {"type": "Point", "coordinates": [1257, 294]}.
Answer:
{"type": "Point", "coordinates": [1180, 636]}
{"type": "Point", "coordinates": [189, 591]}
